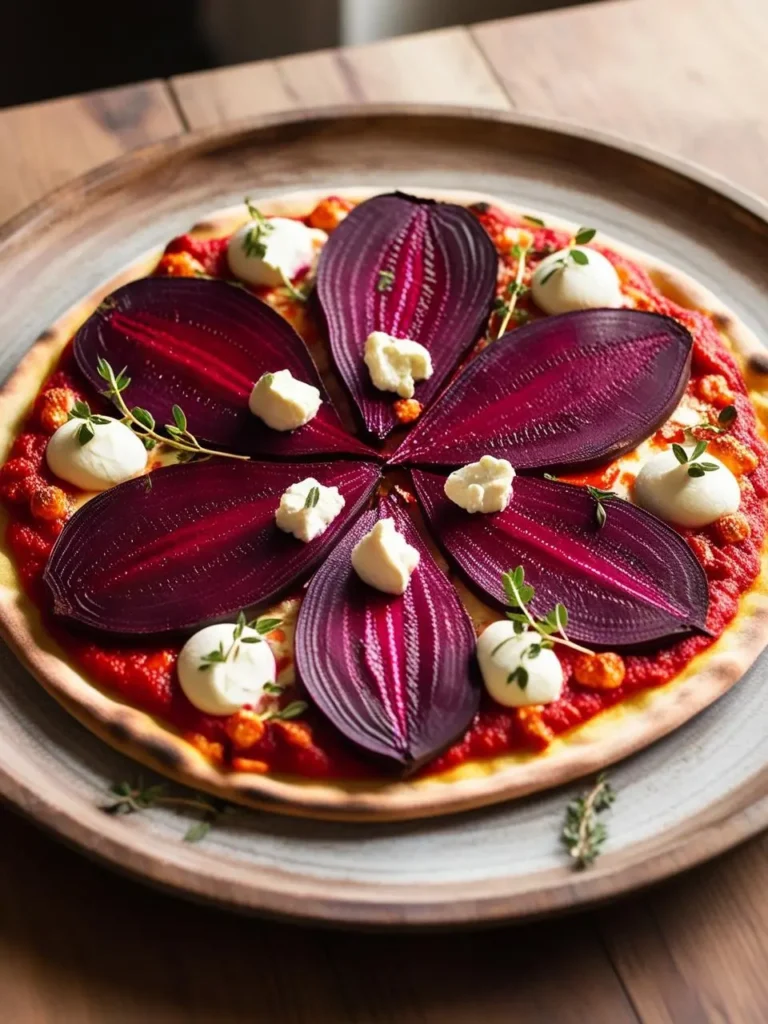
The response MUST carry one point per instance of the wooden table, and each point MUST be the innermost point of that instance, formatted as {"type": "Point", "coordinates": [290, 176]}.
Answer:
{"type": "Point", "coordinates": [78, 944]}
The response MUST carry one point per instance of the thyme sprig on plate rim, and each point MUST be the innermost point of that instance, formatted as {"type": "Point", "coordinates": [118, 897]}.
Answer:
{"type": "Point", "coordinates": [133, 798]}
{"type": "Point", "coordinates": [583, 834]}
{"type": "Point", "coordinates": [82, 411]}
{"type": "Point", "coordinates": [143, 422]}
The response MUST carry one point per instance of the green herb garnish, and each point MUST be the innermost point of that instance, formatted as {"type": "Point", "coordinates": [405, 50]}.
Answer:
{"type": "Point", "coordinates": [505, 305]}
{"type": "Point", "coordinates": [220, 656]}
{"type": "Point", "coordinates": [81, 411]}
{"type": "Point", "coordinates": [552, 627]}
{"type": "Point", "coordinates": [696, 468]}
{"type": "Point", "coordinates": [582, 834]}
{"type": "Point", "coordinates": [313, 496]}
{"type": "Point", "coordinates": [385, 281]}
{"type": "Point", "coordinates": [600, 496]}
{"type": "Point", "coordinates": [131, 799]}
{"type": "Point", "coordinates": [533, 220]}
{"type": "Point", "coordinates": [143, 422]}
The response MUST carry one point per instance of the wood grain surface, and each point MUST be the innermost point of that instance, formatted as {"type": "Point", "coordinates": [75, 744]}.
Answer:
{"type": "Point", "coordinates": [78, 944]}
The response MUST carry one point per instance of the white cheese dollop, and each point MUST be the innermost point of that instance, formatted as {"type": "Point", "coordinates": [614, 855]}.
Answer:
{"type": "Point", "coordinates": [563, 287]}
{"type": "Point", "coordinates": [114, 454]}
{"type": "Point", "coordinates": [395, 364]}
{"type": "Point", "coordinates": [484, 486]}
{"type": "Point", "coordinates": [222, 689]}
{"type": "Point", "coordinates": [384, 559]}
{"type": "Point", "coordinates": [664, 488]}
{"type": "Point", "coordinates": [289, 247]}
{"type": "Point", "coordinates": [308, 508]}
{"type": "Point", "coordinates": [283, 402]}
{"type": "Point", "coordinates": [501, 652]}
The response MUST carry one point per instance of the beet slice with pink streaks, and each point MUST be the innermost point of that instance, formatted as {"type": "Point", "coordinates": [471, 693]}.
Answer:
{"type": "Point", "coordinates": [196, 547]}
{"type": "Point", "coordinates": [576, 389]}
{"type": "Point", "coordinates": [415, 269]}
{"type": "Point", "coordinates": [630, 582]}
{"type": "Point", "coordinates": [202, 345]}
{"type": "Point", "coordinates": [392, 673]}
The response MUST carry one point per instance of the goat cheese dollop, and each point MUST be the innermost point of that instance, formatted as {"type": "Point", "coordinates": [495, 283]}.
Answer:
{"type": "Point", "coordinates": [384, 559]}
{"type": "Point", "coordinates": [266, 253]}
{"type": "Point", "coordinates": [396, 364]}
{"type": "Point", "coordinates": [113, 454]}
{"type": "Point", "coordinates": [511, 676]}
{"type": "Point", "coordinates": [664, 487]}
{"type": "Point", "coordinates": [223, 687]}
{"type": "Point", "coordinates": [484, 486]}
{"type": "Point", "coordinates": [560, 284]}
{"type": "Point", "coordinates": [283, 402]}
{"type": "Point", "coordinates": [308, 508]}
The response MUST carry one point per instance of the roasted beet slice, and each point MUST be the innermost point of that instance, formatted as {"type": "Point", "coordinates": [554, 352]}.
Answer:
{"type": "Point", "coordinates": [202, 345]}
{"type": "Point", "coordinates": [633, 581]}
{"type": "Point", "coordinates": [197, 546]}
{"type": "Point", "coordinates": [576, 389]}
{"type": "Point", "coordinates": [393, 674]}
{"type": "Point", "coordinates": [415, 269]}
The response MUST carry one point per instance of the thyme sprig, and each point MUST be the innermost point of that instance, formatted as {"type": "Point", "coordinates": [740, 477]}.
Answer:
{"type": "Point", "coordinates": [505, 305]}
{"type": "Point", "coordinates": [133, 798]}
{"type": "Point", "coordinates": [552, 627]}
{"type": "Point", "coordinates": [696, 468]}
{"type": "Point", "coordinates": [255, 245]}
{"type": "Point", "coordinates": [582, 834]}
{"type": "Point", "coordinates": [600, 496]}
{"type": "Point", "coordinates": [725, 420]}
{"type": "Point", "coordinates": [82, 411]}
{"type": "Point", "coordinates": [385, 281]}
{"type": "Point", "coordinates": [582, 236]}
{"type": "Point", "coordinates": [143, 422]}
{"type": "Point", "coordinates": [220, 656]}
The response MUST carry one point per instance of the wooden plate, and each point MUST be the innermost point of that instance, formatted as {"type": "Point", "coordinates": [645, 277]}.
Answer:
{"type": "Point", "coordinates": [688, 797]}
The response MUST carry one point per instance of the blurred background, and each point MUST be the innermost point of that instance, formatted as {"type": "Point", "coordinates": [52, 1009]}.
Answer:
{"type": "Point", "coordinates": [54, 48]}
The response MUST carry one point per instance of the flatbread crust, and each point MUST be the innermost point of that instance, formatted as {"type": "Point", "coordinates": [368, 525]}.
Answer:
{"type": "Point", "coordinates": [612, 735]}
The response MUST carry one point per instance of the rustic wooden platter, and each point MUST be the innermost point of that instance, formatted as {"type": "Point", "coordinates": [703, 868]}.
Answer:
{"type": "Point", "coordinates": [695, 793]}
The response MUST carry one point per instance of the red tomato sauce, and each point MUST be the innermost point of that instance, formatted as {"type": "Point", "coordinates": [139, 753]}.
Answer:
{"type": "Point", "coordinates": [143, 675]}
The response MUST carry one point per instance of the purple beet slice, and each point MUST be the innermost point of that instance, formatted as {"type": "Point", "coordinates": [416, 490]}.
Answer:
{"type": "Point", "coordinates": [202, 345]}
{"type": "Point", "coordinates": [633, 581]}
{"type": "Point", "coordinates": [576, 389]}
{"type": "Point", "coordinates": [415, 269]}
{"type": "Point", "coordinates": [196, 547]}
{"type": "Point", "coordinates": [392, 674]}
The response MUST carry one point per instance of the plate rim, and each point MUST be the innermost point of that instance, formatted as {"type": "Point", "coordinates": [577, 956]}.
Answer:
{"type": "Point", "coordinates": [342, 902]}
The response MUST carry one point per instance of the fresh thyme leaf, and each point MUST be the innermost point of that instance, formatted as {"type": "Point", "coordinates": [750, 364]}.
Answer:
{"type": "Point", "coordinates": [267, 378]}
{"type": "Point", "coordinates": [272, 689]}
{"type": "Point", "coordinates": [600, 515]}
{"type": "Point", "coordinates": [85, 433]}
{"type": "Point", "coordinates": [551, 273]}
{"type": "Point", "coordinates": [532, 652]}
{"type": "Point", "coordinates": [292, 710]}
{"type": "Point", "coordinates": [701, 447]}
{"type": "Point", "coordinates": [80, 410]}
{"type": "Point", "coordinates": [582, 834]}
{"type": "Point", "coordinates": [385, 281]}
{"type": "Point", "coordinates": [264, 625]}
{"type": "Point", "coordinates": [584, 235]}
{"type": "Point", "coordinates": [100, 421]}
{"type": "Point", "coordinates": [313, 496]}
{"type": "Point", "coordinates": [709, 467]}
{"type": "Point", "coordinates": [727, 416]}
{"type": "Point", "coordinates": [696, 471]}
{"type": "Point", "coordinates": [533, 220]}
{"type": "Point", "coordinates": [519, 594]}
{"type": "Point", "coordinates": [144, 417]}
{"type": "Point", "coordinates": [179, 418]}
{"type": "Point", "coordinates": [518, 675]}
{"type": "Point", "coordinates": [680, 454]}
{"type": "Point", "coordinates": [579, 257]}
{"type": "Point", "coordinates": [239, 626]}
{"type": "Point", "coordinates": [600, 496]}
{"type": "Point", "coordinates": [550, 476]}
{"type": "Point", "coordinates": [198, 831]}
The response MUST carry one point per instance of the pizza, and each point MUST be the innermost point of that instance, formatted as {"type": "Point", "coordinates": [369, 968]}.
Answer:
{"type": "Point", "coordinates": [376, 505]}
